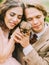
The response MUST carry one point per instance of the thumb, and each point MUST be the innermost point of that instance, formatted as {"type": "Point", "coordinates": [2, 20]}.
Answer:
{"type": "Point", "coordinates": [17, 29]}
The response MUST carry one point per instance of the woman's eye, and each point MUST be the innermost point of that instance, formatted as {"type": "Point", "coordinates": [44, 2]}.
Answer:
{"type": "Point", "coordinates": [29, 19]}
{"type": "Point", "coordinates": [19, 16]}
{"type": "Point", "coordinates": [12, 14]}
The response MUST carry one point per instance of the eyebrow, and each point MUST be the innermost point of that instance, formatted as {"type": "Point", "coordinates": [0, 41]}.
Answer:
{"type": "Point", "coordinates": [35, 16]}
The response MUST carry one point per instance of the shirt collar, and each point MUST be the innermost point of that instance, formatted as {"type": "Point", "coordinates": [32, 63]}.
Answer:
{"type": "Point", "coordinates": [41, 33]}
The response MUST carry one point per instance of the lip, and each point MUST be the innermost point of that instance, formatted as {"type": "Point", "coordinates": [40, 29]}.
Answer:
{"type": "Point", "coordinates": [13, 24]}
{"type": "Point", "coordinates": [36, 26]}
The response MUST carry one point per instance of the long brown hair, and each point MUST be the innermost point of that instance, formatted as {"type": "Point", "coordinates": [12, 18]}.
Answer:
{"type": "Point", "coordinates": [8, 4]}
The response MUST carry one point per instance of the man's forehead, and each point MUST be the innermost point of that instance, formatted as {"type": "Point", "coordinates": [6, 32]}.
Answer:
{"type": "Point", "coordinates": [32, 11]}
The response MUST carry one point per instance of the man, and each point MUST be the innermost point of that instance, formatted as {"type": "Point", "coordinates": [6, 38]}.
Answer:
{"type": "Point", "coordinates": [38, 52]}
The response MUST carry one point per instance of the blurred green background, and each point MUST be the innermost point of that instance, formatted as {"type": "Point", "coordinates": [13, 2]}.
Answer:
{"type": "Point", "coordinates": [1, 0]}
{"type": "Point", "coordinates": [46, 4]}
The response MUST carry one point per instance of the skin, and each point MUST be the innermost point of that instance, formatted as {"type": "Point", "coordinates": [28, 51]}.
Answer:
{"type": "Point", "coordinates": [13, 17]}
{"type": "Point", "coordinates": [36, 18]}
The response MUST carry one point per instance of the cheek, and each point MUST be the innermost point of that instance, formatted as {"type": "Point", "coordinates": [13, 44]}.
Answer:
{"type": "Point", "coordinates": [31, 22]}
{"type": "Point", "coordinates": [41, 20]}
{"type": "Point", "coordinates": [18, 21]}
{"type": "Point", "coordinates": [8, 18]}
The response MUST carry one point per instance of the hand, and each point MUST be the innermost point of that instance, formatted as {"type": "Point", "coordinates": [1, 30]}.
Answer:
{"type": "Point", "coordinates": [23, 39]}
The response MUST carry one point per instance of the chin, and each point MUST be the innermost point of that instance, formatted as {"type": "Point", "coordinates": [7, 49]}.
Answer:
{"type": "Point", "coordinates": [11, 28]}
{"type": "Point", "coordinates": [38, 30]}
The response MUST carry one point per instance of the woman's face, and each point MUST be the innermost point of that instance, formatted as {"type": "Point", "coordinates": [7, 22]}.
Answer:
{"type": "Point", "coordinates": [13, 17]}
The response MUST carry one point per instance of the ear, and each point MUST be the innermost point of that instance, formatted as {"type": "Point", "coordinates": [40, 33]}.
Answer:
{"type": "Point", "coordinates": [44, 17]}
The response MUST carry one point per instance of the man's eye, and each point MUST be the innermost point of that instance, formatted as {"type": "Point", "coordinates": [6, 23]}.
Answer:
{"type": "Point", "coordinates": [38, 16]}
{"type": "Point", "coordinates": [29, 19]}
{"type": "Point", "coordinates": [19, 16]}
{"type": "Point", "coordinates": [12, 14]}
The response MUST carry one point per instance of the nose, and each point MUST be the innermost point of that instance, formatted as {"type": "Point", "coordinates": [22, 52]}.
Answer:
{"type": "Point", "coordinates": [35, 21]}
{"type": "Point", "coordinates": [14, 18]}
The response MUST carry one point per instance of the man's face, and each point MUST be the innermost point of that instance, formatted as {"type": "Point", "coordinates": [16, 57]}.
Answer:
{"type": "Point", "coordinates": [36, 18]}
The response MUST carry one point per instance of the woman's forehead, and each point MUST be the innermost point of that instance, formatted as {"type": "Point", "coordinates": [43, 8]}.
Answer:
{"type": "Point", "coordinates": [17, 10]}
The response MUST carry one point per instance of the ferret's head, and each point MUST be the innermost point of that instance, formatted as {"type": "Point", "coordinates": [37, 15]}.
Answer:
{"type": "Point", "coordinates": [25, 27]}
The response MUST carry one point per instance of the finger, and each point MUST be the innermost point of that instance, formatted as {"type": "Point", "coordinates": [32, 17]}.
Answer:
{"type": "Point", "coordinates": [20, 34]}
{"type": "Point", "coordinates": [18, 37]}
{"type": "Point", "coordinates": [18, 41]}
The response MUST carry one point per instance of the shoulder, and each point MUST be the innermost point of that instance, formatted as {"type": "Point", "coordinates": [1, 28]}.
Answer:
{"type": "Point", "coordinates": [1, 31]}
{"type": "Point", "coordinates": [47, 24]}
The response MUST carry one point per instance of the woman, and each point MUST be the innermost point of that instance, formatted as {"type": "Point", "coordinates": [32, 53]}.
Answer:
{"type": "Point", "coordinates": [10, 16]}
